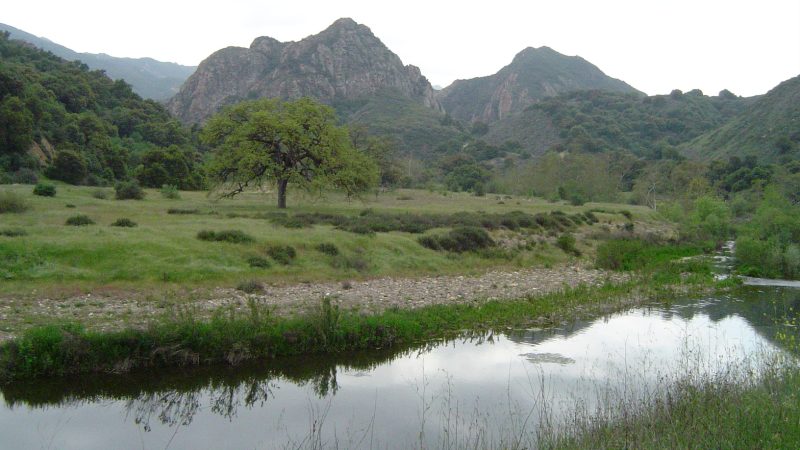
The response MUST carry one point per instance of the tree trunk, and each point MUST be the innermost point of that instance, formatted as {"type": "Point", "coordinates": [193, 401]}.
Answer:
{"type": "Point", "coordinates": [282, 193]}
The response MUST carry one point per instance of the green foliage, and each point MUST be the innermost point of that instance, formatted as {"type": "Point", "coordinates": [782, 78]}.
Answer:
{"type": "Point", "coordinates": [68, 166]}
{"type": "Point", "coordinates": [100, 194]}
{"type": "Point", "coordinates": [13, 232]}
{"type": "Point", "coordinates": [295, 143]}
{"type": "Point", "coordinates": [170, 192]}
{"type": "Point", "coordinates": [79, 220]}
{"type": "Point", "coordinates": [637, 254]}
{"type": "Point", "coordinates": [124, 222]}
{"type": "Point", "coordinates": [232, 236]}
{"type": "Point", "coordinates": [11, 202]}
{"type": "Point", "coordinates": [769, 244]}
{"type": "Point", "coordinates": [44, 190]}
{"type": "Point", "coordinates": [282, 254]}
{"type": "Point", "coordinates": [48, 101]}
{"type": "Point", "coordinates": [128, 190]}
{"type": "Point", "coordinates": [171, 166]}
{"type": "Point", "coordinates": [566, 242]}
{"type": "Point", "coordinates": [258, 262]}
{"type": "Point", "coordinates": [328, 249]}
{"type": "Point", "coordinates": [461, 239]}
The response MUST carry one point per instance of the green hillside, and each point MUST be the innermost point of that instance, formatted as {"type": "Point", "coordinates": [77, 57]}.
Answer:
{"type": "Point", "coordinates": [79, 125]}
{"type": "Point", "coordinates": [769, 129]}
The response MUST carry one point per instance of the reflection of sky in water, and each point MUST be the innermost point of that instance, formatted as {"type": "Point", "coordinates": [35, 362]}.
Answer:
{"type": "Point", "coordinates": [624, 351]}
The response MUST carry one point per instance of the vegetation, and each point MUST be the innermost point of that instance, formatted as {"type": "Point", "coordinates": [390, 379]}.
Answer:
{"type": "Point", "coordinates": [64, 349]}
{"type": "Point", "coordinates": [79, 124]}
{"type": "Point", "coordinates": [128, 190]}
{"type": "Point", "coordinates": [293, 142]}
{"type": "Point", "coordinates": [124, 223]}
{"type": "Point", "coordinates": [79, 220]}
{"type": "Point", "coordinates": [232, 236]}
{"type": "Point", "coordinates": [44, 190]}
{"type": "Point", "coordinates": [11, 202]}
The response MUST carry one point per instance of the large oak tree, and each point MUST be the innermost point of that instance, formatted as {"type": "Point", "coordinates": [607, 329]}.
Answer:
{"type": "Point", "coordinates": [296, 142]}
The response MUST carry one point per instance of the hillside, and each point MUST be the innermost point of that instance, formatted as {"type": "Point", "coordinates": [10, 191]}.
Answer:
{"type": "Point", "coordinates": [149, 78]}
{"type": "Point", "coordinates": [598, 121]}
{"type": "Point", "coordinates": [81, 126]}
{"type": "Point", "coordinates": [534, 74]}
{"type": "Point", "coordinates": [769, 129]}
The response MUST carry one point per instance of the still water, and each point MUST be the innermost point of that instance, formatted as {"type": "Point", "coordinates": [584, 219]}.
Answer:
{"type": "Point", "coordinates": [481, 388]}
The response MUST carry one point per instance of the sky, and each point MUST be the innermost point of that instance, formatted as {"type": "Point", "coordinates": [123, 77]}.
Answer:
{"type": "Point", "coordinates": [747, 47]}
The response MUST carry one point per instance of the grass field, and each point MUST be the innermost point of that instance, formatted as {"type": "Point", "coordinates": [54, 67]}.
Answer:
{"type": "Point", "coordinates": [163, 248]}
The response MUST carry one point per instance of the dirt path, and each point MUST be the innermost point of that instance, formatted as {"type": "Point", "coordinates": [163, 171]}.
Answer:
{"type": "Point", "coordinates": [114, 311]}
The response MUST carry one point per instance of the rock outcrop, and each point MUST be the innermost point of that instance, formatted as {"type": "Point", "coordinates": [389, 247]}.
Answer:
{"type": "Point", "coordinates": [343, 63]}
{"type": "Point", "coordinates": [534, 74]}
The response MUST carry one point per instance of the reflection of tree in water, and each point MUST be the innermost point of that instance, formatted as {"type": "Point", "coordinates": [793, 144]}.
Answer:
{"type": "Point", "coordinates": [173, 397]}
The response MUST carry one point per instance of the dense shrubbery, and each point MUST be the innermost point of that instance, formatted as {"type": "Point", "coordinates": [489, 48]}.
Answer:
{"type": "Point", "coordinates": [13, 232]}
{"type": "Point", "coordinates": [232, 236]}
{"type": "Point", "coordinates": [373, 222]}
{"type": "Point", "coordinates": [566, 242]}
{"type": "Point", "coordinates": [635, 254]}
{"type": "Point", "coordinates": [124, 223]}
{"type": "Point", "coordinates": [328, 249]}
{"type": "Point", "coordinates": [128, 190]}
{"type": "Point", "coordinates": [79, 220]}
{"type": "Point", "coordinates": [258, 262]}
{"type": "Point", "coordinates": [282, 254]}
{"type": "Point", "coordinates": [461, 239]}
{"type": "Point", "coordinates": [44, 190]}
{"type": "Point", "coordinates": [170, 192]}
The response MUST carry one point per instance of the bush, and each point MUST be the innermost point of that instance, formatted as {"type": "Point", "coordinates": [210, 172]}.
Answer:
{"type": "Point", "coordinates": [68, 166]}
{"type": "Point", "coordinates": [182, 211]}
{"type": "Point", "coordinates": [100, 194]}
{"type": "Point", "coordinates": [128, 190]}
{"type": "Point", "coordinates": [250, 287]}
{"type": "Point", "coordinates": [461, 239]}
{"type": "Point", "coordinates": [79, 220]}
{"type": "Point", "coordinates": [11, 202]}
{"type": "Point", "coordinates": [25, 176]}
{"type": "Point", "coordinates": [170, 192]}
{"type": "Point", "coordinates": [283, 254]}
{"type": "Point", "coordinates": [124, 222]}
{"type": "Point", "coordinates": [566, 242]}
{"type": "Point", "coordinates": [13, 232]}
{"type": "Point", "coordinates": [232, 236]}
{"type": "Point", "coordinates": [328, 249]}
{"type": "Point", "coordinates": [44, 190]}
{"type": "Point", "coordinates": [258, 262]}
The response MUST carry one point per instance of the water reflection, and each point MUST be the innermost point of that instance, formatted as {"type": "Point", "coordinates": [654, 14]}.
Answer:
{"type": "Point", "coordinates": [385, 391]}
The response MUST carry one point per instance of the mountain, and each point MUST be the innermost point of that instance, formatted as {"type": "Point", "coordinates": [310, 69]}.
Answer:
{"type": "Point", "coordinates": [151, 79]}
{"type": "Point", "coordinates": [342, 65]}
{"type": "Point", "coordinates": [769, 129]}
{"type": "Point", "coordinates": [534, 74]}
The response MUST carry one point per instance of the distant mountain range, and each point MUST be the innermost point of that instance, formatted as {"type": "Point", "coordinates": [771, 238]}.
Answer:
{"type": "Point", "coordinates": [149, 78]}
{"type": "Point", "coordinates": [541, 101]}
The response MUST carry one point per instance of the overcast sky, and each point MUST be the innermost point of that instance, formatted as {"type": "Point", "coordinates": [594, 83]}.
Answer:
{"type": "Point", "coordinates": [747, 47]}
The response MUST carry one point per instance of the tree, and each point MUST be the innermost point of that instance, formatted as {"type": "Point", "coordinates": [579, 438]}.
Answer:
{"type": "Point", "coordinates": [68, 166]}
{"type": "Point", "coordinates": [294, 142]}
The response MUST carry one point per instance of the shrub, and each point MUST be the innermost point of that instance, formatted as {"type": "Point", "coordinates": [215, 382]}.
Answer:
{"type": "Point", "coordinates": [100, 194]}
{"type": "Point", "coordinates": [79, 220]}
{"type": "Point", "coordinates": [566, 242]}
{"type": "Point", "coordinates": [68, 166]}
{"type": "Point", "coordinates": [283, 254]}
{"type": "Point", "coordinates": [11, 202]}
{"type": "Point", "coordinates": [25, 176]}
{"type": "Point", "coordinates": [328, 249]}
{"type": "Point", "coordinates": [250, 287]}
{"type": "Point", "coordinates": [232, 236]}
{"type": "Point", "coordinates": [170, 192]}
{"type": "Point", "coordinates": [13, 232]}
{"type": "Point", "coordinates": [182, 211]}
{"type": "Point", "coordinates": [44, 190]}
{"type": "Point", "coordinates": [124, 222]}
{"type": "Point", "coordinates": [128, 190]}
{"type": "Point", "coordinates": [258, 262]}
{"type": "Point", "coordinates": [70, 205]}
{"type": "Point", "coordinates": [461, 239]}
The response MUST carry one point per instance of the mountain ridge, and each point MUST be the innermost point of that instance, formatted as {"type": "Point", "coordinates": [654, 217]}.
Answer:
{"type": "Point", "coordinates": [150, 78]}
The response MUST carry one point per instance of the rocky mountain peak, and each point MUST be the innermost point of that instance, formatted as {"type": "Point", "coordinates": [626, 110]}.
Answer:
{"type": "Point", "coordinates": [344, 62]}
